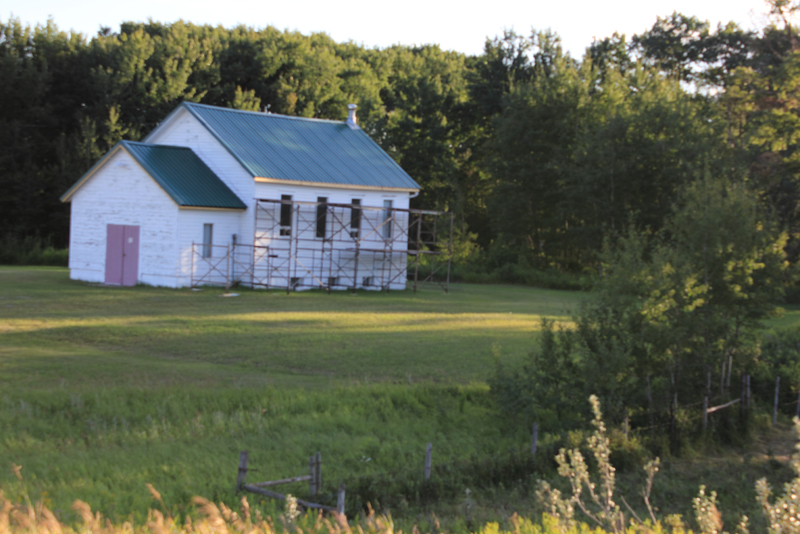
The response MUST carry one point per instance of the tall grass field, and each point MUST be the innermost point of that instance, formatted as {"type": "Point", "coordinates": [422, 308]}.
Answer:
{"type": "Point", "coordinates": [104, 390]}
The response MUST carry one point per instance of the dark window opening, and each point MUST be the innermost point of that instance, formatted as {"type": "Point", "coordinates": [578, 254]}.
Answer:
{"type": "Point", "coordinates": [286, 215]}
{"type": "Point", "coordinates": [355, 218]}
{"type": "Point", "coordinates": [322, 216]}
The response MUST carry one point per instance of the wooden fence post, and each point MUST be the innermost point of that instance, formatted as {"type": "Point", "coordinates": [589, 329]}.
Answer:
{"type": "Point", "coordinates": [242, 475]}
{"type": "Point", "coordinates": [318, 471]}
{"type": "Point", "coordinates": [730, 370]}
{"type": "Point", "coordinates": [705, 413]}
{"type": "Point", "coordinates": [775, 406]}
{"type": "Point", "coordinates": [743, 396]}
{"type": "Point", "coordinates": [312, 472]}
{"type": "Point", "coordinates": [340, 500]}
{"type": "Point", "coordinates": [722, 379]}
{"type": "Point", "coordinates": [535, 438]}
{"type": "Point", "coordinates": [228, 269]}
{"type": "Point", "coordinates": [650, 403]}
{"type": "Point", "coordinates": [748, 392]}
{"type": "Point", "coordinates": [798, 402]}
{"type": "Point", "coordinates": [428, 461]}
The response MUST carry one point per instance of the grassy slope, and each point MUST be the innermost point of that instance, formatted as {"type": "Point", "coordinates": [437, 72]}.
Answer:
{"type": "Point", "coordinates": [105, 389]}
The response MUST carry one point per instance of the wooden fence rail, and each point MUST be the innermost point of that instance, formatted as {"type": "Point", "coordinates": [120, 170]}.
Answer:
{"type": "Point", "coordinates": [281, 481]}
{"type": "Point", "coordinates": [301, 502]}
{"type": "Point", "coordinates": [314, 478]}
{"type": "Point", "coordinates": [707, 410]}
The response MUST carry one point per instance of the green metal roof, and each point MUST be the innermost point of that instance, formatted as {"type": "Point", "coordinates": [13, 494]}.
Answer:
{"type": "Point", "coordinates": [184, 176]}
{"type": "Point", "coordinates": [302, 150]}
{"type": "Point", "coordinates": [179, 172]}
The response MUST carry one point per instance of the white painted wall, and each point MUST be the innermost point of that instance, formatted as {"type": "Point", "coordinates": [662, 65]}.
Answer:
{"type": "Point", "coordinates": [121, 192]}
{"type": "Point", "coordinates": [190, 231]}
{"type": "Point", "coordinates": [312, 266]}
{"type": "Point", "coordinates": [183, 129]}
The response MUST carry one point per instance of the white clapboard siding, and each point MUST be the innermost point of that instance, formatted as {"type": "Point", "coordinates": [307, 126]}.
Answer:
{"type": "Point", "coordinates": [121, 192]}
{"type": "Point", "coordinates": [190, 230]}
{"type": "Point", "coordinates": [370, 265]}
{"type": "Point", "coordinates": [184, 129]}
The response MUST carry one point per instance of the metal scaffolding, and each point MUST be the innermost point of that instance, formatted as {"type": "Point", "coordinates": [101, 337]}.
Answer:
{"type": "Point", "coordinates": [304, 245]}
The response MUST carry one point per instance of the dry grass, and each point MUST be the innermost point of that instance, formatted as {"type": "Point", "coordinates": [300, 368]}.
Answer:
{"type": "Point", "coordinates": [219, 519]}
{"type": "Point", "coordinates": [214, 519]}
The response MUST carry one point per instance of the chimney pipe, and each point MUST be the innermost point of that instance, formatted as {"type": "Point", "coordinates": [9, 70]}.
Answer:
{"type": "Point", "coordinates": [352, 121]}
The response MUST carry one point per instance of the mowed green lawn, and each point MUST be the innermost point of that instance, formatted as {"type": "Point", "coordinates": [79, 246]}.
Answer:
{"type": "Point", "coordinates": [104, 389]}
{"type": "Point", "coordinates": [61, 333]}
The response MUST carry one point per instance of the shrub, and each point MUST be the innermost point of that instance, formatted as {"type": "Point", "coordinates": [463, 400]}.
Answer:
{"type": "Point", "coordinates": [31, 250]}
{"type": "Point", "coordinates": [544, 388]}
{"type": "Point", "coordinates": [511, 273]}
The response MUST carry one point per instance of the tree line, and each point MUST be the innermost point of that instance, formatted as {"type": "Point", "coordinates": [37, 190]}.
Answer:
{"type": "Point", "coordinates": [541, 156]}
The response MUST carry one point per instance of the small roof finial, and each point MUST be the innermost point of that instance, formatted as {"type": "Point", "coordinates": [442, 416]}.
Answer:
{"type": "Point", "coordinates": [352, 120]}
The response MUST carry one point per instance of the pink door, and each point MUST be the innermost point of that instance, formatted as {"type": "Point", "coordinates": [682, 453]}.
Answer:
{"type": "Point", "coordinates": [122, 254]}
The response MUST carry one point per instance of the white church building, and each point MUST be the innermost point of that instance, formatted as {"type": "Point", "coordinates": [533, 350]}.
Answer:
{"type": "Point", "coordinates": [220, 196]}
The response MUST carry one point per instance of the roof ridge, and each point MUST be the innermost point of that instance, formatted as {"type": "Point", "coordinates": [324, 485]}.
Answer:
{"type": "Point", "coordinates": [262, 114]}
{"type": "Point", "coordinates": [140, 143]}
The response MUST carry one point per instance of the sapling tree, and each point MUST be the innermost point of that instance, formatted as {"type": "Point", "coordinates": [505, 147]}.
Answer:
{"type": "Point", "coordinates": [676, 305]}
{"type": "Point", "coordinates": [669, 309]}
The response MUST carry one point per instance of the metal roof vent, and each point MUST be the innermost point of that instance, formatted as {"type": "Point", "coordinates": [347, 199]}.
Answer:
{"type": "Point", "coordinates": [352, 121]}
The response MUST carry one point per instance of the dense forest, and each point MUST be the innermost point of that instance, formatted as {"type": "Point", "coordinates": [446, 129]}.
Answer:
{"type": "Point", "coordinates": [541, 156]}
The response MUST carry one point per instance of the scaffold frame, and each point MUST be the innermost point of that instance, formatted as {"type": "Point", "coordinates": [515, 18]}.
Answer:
{"type": "Point", "coordinates": [303, 245]}
{"type": "Point", "coordinates": [387, 242]}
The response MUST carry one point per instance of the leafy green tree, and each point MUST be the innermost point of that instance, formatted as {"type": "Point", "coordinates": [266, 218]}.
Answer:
{"type": "Point", "coordinates": [421, 130]}
{"type": "Point", "coordinates": [505, 61]}
{"type": "Point", "coordinates": [581, 150]}
{"type": "Point", "coordinates": [639, 125]}
{"type": "Point", "coordinates": [693, 298]}
{"type": "Point", "coordinates": [610, 53]}
{"type": "Point", "coordinates": [668, 309]}
{"type": "Point", "coordinates": [762, 119]}
{"type": "Point", "coordinates": [532, 147]}
{"type": "Point", "coordinates": [686, 49]}
{"type": "Point", "coordinates": [544, 388]}
{"type": "Point", "coordinates": [35, 146]}
{"type": "Point", "coordinates": [674, 43]}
